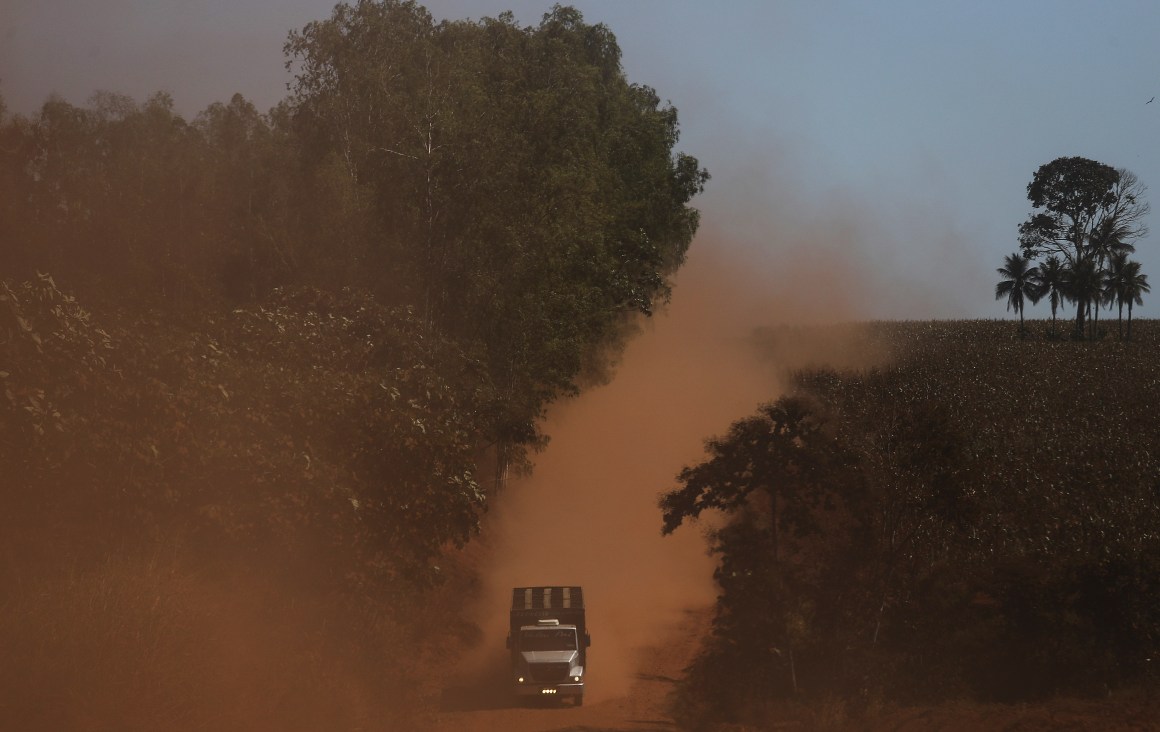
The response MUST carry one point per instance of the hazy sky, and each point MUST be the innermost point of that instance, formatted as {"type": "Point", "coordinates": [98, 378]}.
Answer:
{"type": "Point", "coordinates": [889, 143]}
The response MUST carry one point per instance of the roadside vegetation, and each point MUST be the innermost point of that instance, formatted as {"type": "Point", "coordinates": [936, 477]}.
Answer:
{"type": "Point", "coordinates": [974, 522]}
{"type": "Point", "coordinates": [259, 371]}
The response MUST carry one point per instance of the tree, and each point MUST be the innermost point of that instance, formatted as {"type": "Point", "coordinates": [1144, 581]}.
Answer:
{"type": "Point", "coordinates": [1050, 284]}
{"type": "Point", "coordinates": [776, 452]}
{"type": "Point", "coordinates": [773, 475]}
{"type": "Point", "coordinates": [109, 194]}
{"type": "Point", "coordinates": [1135, 284]}
{"type": "Point", "coordinates": [1085, 210]}
{"type": "Point", "coordinates": [531, 195]}
{"type": "Point", "coordinates": [1113, 291]}
{"type": "Point", "coordinates": [1084, 286]}
{"type": "Point", "coordinates": [1019, 283]}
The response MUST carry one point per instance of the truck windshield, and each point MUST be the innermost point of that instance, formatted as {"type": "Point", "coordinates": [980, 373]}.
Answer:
{"type": "Point", "coordinates": [548, 639]}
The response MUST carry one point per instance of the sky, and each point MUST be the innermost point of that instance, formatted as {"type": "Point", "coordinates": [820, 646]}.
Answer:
{"type": "Point", "coordinates": [872, 154]}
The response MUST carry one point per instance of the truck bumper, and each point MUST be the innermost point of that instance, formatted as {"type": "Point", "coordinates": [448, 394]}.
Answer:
{"type": "Point", "coordinates": [549, 691]}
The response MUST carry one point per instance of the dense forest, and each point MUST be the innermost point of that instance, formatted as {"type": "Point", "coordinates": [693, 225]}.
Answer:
{"type": "Point", "coordinates": [260, 370]}
{"type": "Point", "coordinates": [975, 520]}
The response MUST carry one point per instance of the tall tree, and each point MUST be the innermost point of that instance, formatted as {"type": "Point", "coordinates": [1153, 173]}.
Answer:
{"type": "Point", "coordinates": [529, 191]}
{"type": "Point", "coordinates": [1050, 284]}
{"type": "Point", "coordinates": [1084, 286]}
{"type": "Point", "coordinates": [1084, 210]}
{"type": "Point", "coordinates": [1135, 284]}
{"type": "Point", "coordinates": [1019, 283]}
{"type": "Point", "coordinates": [1113, 290]}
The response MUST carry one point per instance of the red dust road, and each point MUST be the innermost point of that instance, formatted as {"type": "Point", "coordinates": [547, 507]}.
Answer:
{"type": "Point", "coordinates": [588, 514]}
{"type": "Point", "coordinates": [486, 705]}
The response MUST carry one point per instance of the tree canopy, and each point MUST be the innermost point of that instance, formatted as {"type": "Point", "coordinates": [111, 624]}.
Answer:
{"type": "Point", "coordinates": [529, 188]}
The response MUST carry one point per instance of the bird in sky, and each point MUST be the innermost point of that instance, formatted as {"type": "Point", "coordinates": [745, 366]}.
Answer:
{"type": "Point", "coordinates": [1150, 100]}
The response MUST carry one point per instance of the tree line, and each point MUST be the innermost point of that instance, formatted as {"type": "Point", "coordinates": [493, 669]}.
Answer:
{"type": "Point", "coordinates": [1076, 246]}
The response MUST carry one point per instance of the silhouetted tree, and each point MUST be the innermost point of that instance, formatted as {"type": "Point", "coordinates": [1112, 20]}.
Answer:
{"type": "Point", "coordinates": [1113, 289]}
{"type": "Point", "coordinates": [1135, 284]}
{"type": "Point", "coordinates": [1019, 283]}
{"type": "Point", "coordinates": [1084, 286]}
{"type": "Point", "coordinates": [1050, 284]}
{"type": "Point", "coordinates": [1088, 210]}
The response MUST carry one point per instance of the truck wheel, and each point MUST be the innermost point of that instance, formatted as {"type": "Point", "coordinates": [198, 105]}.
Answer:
{"type": "Point", "coordinates": [579, 700]}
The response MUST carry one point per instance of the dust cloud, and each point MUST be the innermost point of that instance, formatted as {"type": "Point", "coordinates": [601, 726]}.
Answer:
{"type": "Point", "coordinates": [588, 515]}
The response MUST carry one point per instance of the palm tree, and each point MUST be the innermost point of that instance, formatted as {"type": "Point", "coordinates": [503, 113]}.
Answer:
{"type": "Point", "coordinates": [1135, 285]}
{"type": "Point", "coordinates": [1050, 284]}
{"type": "Point", "coordinates": [1019, 284]}
{"type": "Point", "coordinates": [1113, 291]}
{"type": "Point", "coordinates": [1110, 241]}
{"type": "Point", "coordinates": [1083, 285]}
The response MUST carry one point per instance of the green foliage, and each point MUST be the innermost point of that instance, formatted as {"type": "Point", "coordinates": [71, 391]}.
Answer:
{"type": "Point", "coordinates": [986, 526]}
{"type": "Point", "coordinates": [531, 190]}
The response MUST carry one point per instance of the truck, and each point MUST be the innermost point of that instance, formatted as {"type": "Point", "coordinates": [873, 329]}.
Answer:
{"type": "Point", "coordinates": [549, 641]}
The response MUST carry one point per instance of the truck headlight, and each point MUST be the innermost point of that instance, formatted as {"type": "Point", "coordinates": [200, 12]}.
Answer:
{"type": "Point", "coordinates": [520, 680]}
{"type": "Point", "coordinates": [575, 678]}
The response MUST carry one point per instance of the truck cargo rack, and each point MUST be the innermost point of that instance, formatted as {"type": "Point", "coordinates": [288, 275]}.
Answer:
{"type": "Point", "coordinates": [547, 598]}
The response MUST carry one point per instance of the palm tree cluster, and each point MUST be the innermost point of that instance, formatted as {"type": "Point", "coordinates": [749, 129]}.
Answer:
{"type": "Point", "coordinates": [1090, 283]}
{"type": "Point", "coordinates": [1075, 244]}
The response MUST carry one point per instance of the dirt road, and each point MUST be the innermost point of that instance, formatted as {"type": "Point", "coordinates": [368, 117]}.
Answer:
{"type": "Point", "coordinates": [486, 705]}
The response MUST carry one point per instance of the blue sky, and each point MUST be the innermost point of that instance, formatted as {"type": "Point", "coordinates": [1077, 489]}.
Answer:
{"type": "Point", "coordinates": [877, 149]}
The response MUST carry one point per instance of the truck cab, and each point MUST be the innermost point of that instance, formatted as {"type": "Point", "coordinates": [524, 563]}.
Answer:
{"type": "Point", "coordinates": [548, 641]}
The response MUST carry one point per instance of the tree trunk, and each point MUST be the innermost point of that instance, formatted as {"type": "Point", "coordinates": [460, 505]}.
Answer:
{"type": "Point", "coordinates": [773, 525]}
{"type": "Point", "coordinates": [502, 462]}
{"type": "Point", "coordinates": [793, 672]}
{"type": "Point", "coordinates": [1079, 310]}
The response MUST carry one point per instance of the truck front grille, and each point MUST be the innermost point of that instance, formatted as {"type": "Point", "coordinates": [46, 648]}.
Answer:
{"type": "Point", "coordinates": [549, 673]}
